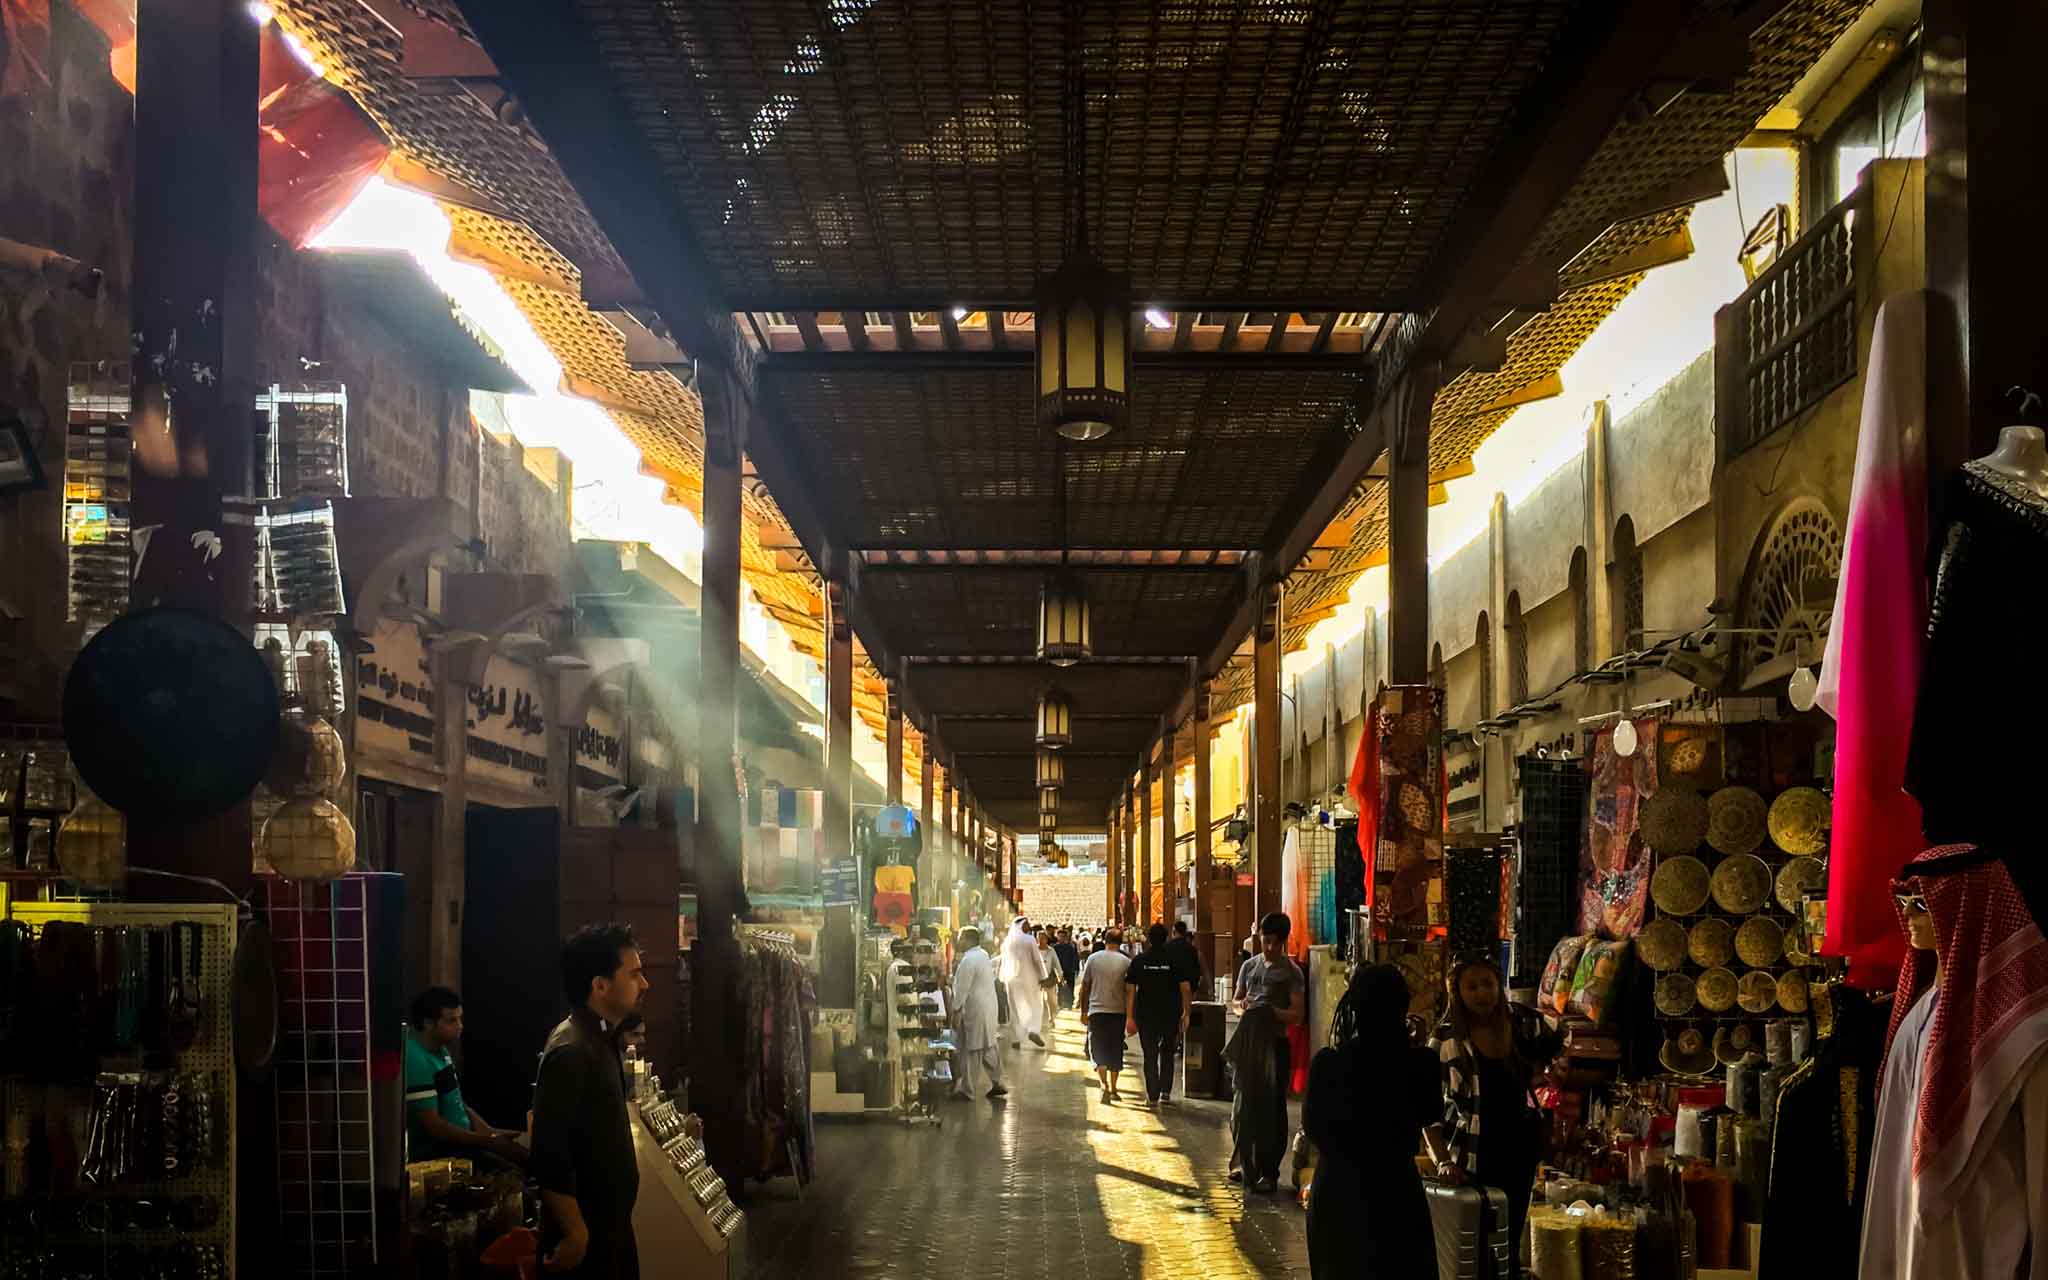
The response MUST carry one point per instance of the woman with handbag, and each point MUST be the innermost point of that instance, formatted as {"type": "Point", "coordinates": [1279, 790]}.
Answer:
{"type": "Point", "coordinates": [1369, 1095]}
{"type": "Point", "coordinates": [1491, 1051]}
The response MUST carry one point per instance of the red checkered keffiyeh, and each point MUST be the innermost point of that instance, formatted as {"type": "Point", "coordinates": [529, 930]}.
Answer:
{"type": "Point", "coordinates": [1988, 1026]}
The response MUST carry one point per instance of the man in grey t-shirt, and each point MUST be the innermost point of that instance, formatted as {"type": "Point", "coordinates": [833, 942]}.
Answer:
{"type": "Point", "coordinates": [1102, 1002]}
{"type": "Point", "coordinates": [1270, 990]}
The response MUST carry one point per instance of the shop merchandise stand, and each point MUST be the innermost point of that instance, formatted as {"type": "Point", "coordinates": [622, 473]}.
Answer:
{"type": "Point", "coordinates": [211, 1053]}
{"type": "Point", "coordinates": [916, 1019]}
{"type": "Point", "coordinates": [684, 1215]}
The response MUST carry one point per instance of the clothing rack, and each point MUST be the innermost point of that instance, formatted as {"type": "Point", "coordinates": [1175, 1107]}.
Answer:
{"type": "Point", "coordinates": [780, 1003]}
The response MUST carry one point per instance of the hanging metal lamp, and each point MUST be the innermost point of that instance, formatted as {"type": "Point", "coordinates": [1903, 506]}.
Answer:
{"type": "Point", "coordinates": [1048, 809]}
{"type": "Point", "coordinates": [1052, 771]}
{"type": "Point", "coordinates": [1065, 635]}
{"type": "Point", "coordinates": [1055, 720]}
{"type": "Point", "coordinates": [1082, 328]}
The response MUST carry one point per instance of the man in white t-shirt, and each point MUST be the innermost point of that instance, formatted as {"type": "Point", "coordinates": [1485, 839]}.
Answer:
{"type": "Point", "coordinates": [1102, 1001]}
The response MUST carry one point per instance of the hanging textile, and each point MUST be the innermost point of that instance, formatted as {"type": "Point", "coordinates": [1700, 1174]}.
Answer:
{"type": "Point", "coordinates": [1364, 791]}
{"type": "Point", "coordinates": [1973, 762]}
{"type": "Point", "coordinates": [1294, 893]}
{"type": "Point", "coordinates": [1868, 678]}
{"type": "Point", "coordinates": [1553, 809]}
{"type": "Point", "coordinates": [1614, 870]}
{"type": "Point", "coordinates": [1347, 883]}
{"type": "Point", "coordinates": [779, 1004]}
{"type": "Point", "coordinates": [1408, 866]}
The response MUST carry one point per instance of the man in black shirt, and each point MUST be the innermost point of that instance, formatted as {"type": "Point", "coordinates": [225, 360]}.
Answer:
{"type": "Point", "coordinates": [1182, 948]}
{"type": "Point", "coordinates": [582, 1136]}
{"type": "Point", "coordinates": [1159, 997]}
{"type": "Point", "coordinates": [1070, 965]}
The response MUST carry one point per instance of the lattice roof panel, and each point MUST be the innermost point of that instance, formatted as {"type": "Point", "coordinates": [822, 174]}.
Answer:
{"type": "Point", "coordinates": [1234, 145]}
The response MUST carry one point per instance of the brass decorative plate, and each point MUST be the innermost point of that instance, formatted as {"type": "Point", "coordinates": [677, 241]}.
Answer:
{"type": "Point", "coordinates": [1661, 944]}
{"type": "Point", "coordinates": [1717, 990]}
{"type": "Point", "coordinates": [1679, 887]}
{"type": "Point", "coordinates": [1713, 942]}
{"type": "Point", "coordinates": [1758, 992]}
{"type": "Point", "coordinates": [1798, 878]}
{"type": "Point", "coordinates": [1735, 820]}
{"type": "Point", "coordinates": [1799, 821]}
{"type": "Point", "coordinates": [1674, 820]}
{"type": "Point", "coordinates": [1742, 883]}
{"type": "Point", "coordinates": [1687, 1054]}
{"type": "Point", "coordinates": [1675, 996]}
{"type": "Point", "coordinates": [1792, 992]}
{"type": "Point", "coordinates": [1760, 942]}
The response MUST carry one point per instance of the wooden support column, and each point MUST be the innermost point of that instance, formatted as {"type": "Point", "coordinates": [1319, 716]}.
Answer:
{"type": "Point", "coordinates": [195, 223]}
{"type": "Point", "coordinates": [1408, 530]}
{"type": "Point", "coordinates": [935, 857]}
{"type": "Point", "coordinates": [1266, 833]}
{"type": "Point", "coordinates": [1147, 773]}
{"type": "Point", "coordinates": [838, 723]}
{"type": "Point", "coordinates": [1111, 867]}
{"type": "Point", "coordinates": [1169, 868]}
{"type": "Point", "coordinates": [1128, 909]}
{"type": "Point", "coordinates": [893, 747]}
{"type": "Point", "coordinates": [716, 1057]}
{"type": "Point", "coordinates": [1986, 197]}
{"type": "Point", "coordinates": [948, 832]}
{"type": "Point", "coordinates": [1205, 921]}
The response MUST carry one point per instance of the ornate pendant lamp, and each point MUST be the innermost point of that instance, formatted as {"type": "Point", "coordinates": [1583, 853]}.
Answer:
{"type": "Point", "coordinates": [1048, 848]}
{"type": "Point", "coordinates": [1048, 809]}
{"type": "Point", "coordinates": [1055, 720]}
{"type": "Point", "coordinates": [1083, 322]}
{"type": "Point", "coordinates": [1065, 635]}
{"type": "Point", "coordinates": [1052, 771]}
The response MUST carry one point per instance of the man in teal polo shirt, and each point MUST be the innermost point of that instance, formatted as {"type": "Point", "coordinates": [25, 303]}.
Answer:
{"type": "Point", "coordinates": [438, 1122]}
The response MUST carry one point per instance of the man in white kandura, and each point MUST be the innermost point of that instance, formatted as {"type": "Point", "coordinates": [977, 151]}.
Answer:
{"type": "Point", "coordinates": [979, 1057]}
{"type": "Point", "coordinates": [1023, 973]}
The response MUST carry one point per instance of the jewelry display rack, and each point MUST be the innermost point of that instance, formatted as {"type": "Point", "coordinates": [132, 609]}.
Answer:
{"type": "Point", "coordinates": [205, 1252]}
{"type": "Point", "coordinates": [673, 1161]}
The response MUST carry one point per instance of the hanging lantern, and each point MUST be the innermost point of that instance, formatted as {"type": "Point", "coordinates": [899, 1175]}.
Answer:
{"type": "Point", "coordinates": [1064, 634]}
{"type": "Point", "coordinates": [1048, 809]}
{"type": "Point", "coordinates": [1083, 336]}
{"type": "Point", "coordinates": [1052, 771]}
{"type": "Point", "coordinates": [308, 838]}
{"type": "Point", "coordinates": [309, 760]}
{"type": "Point", "coordinates": [1055, 719]}
{"type": "Point", "coordinates": [1048, 848]}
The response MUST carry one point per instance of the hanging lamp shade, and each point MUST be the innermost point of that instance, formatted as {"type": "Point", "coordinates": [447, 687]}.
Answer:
{"type": "Point", "coordinates": [1048, 848]}
{"type": "Point", "coordinates": [1083, 336]}
{"type": "Point", "coordinates": [1048, 809]}
{"type": "Point", "coordinates": [1055, 720]}
{"type": "Point", "coordinates": [1064, 634]}
{"type": "Point", "coordinates": [1052, 771]}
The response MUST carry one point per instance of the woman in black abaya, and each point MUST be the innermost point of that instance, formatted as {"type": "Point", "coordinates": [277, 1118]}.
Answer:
{"type": "Point", "coordinates": [1369, 1096]}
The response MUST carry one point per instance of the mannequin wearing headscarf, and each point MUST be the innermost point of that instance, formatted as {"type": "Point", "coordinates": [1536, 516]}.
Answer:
{"type": "Point", "coordinates": [1959, 1172]}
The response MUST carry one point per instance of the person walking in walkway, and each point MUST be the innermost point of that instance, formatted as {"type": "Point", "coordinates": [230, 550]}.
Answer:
{"type": "Point", "coordinates": [1049, 985]}
{"type": "Point", "coordinates": [1490, 1052]}
{"type": "Point", "coordinates": [1183, 949]}
{"type": "Point", "coordinates": [1370, 1094]}
{"type": "Point", "coordinates": [1022, 971]}
{"type": "Point", "coordinates": [582, 1137]}
{"type": "Point", "coordinates": [1107, 1009]}
{"type": "Point", "coordinates": [1270, 991]}
{"type": "Point", "coordinates": [1157, 1003]}
{"type": "Point", "coordinates": [1070, 965]}
{"type": "Point", "coordinates": [977, 1053]}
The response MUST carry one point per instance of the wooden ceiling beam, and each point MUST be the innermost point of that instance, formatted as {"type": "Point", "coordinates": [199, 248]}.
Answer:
{"type": "Point", "coordinates": [998, 337]}
{"type": "Point", "coordinates": [1323, 330]}
{"type": "Point", "coordinates": [906, 340]}
{"type": "Point", "coordinates": [813, 360]}
{"type": "Point", "coordinates": [807, 325]}
{"type": "Point", "coordinates": [949, 329]}
{"type": "Point", "coordinates": [856, 325]}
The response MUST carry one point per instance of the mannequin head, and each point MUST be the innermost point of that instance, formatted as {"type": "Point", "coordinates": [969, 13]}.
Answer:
{"type": "Point", "coordinates": [1918, 920]}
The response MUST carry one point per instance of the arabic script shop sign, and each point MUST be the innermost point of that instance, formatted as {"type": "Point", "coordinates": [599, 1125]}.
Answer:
{"type": "Point", "coordinates": [507, 740]}
{"type": "Point", "coordinates": [394, 697]}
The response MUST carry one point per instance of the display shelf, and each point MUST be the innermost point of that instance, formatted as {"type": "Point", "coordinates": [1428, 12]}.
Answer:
{"type": "Point", "coordinates": [684, 1215]}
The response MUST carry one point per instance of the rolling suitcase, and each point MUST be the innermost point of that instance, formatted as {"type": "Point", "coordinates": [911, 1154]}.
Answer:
{"type": "Point", "coordinates": [1471, 1225]}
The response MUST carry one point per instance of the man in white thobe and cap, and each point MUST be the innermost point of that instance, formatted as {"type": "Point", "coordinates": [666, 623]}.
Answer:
{"type": "Point", "coordinates": [978, 1056]}
{"type": "Point", "coordinates": [1023, 974]}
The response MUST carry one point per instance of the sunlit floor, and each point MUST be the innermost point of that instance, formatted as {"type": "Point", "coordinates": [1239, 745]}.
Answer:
{"type": "Point", "coordinates": [1047, 1183]}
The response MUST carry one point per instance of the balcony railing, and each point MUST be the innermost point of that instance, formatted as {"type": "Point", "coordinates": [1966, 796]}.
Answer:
{"type": "Point", "coordinates": [1791, 337]}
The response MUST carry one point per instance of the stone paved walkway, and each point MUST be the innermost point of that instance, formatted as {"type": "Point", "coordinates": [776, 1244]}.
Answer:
{"type": "Point", "coordinates": [1048, 1184]}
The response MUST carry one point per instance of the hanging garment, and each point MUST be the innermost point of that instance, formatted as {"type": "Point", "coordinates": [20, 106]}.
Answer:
{"type": "Point", "coordinates": [1348, 882]}
{"type": "Point", "coordinates": [1294, 893]}
{"type": "Point", "coordinates": [1553, 805]}
{"type": "Point", "coordinates": [1364, 790]}
{"type": "Point", "coordinates": [1957, 1183]}
{"type": "Point", "coordinates": [1614, 873]}
{"type": "Point", "coordinates": [1973, 765]}
{"type": "Point", "coordinates": [1820, 1147]}
{"type": "Point", "coordinates": [1869, 677]}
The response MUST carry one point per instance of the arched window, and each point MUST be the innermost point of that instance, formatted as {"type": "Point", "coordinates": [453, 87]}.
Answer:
{"type": "Point", "coordinates": [1517, 634]}
{"type": "Point", "coordinates": [1483, 644]}
{"type": "Point", "coordinates": [1582, 621]}
{"type": "Point", "coordinates": [1625, 587]}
